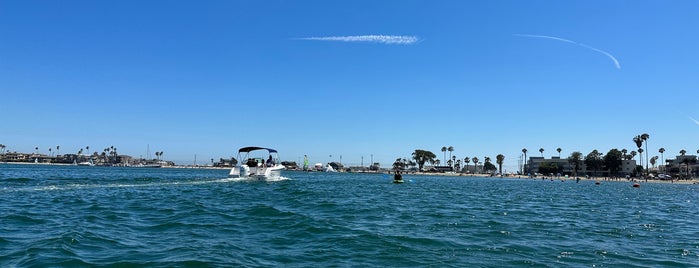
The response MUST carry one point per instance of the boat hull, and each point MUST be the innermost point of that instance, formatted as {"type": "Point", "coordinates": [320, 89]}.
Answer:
{"type": "Point", "coordinates": [257, 173]}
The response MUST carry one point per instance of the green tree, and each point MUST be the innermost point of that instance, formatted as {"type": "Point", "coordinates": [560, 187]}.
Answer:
{"type": "Point", "coordinates": [612, 161]}
{"type": "Point", "coordinates": [487, 167]}
{"type": "Point", "coordinates": [559, 151]}
{"type": "Point", "coordinates": [541, 150]}
{"type": "Point", "coordinates": [575, 159]}
{"type": "Point", "coordinates": [548, 168]}
{"type": "Point", "coordinates": [653, 160]}
{"type": "Point", "coordinates": [423, 156]}
{"type": "Point", "coordinates": [594, 161]}
{"type": "Point", "coordinates": [500, 159]}
{"type": "Point", "coordinates": [475, 164]}
{"type": "Point", "coordinates": [398, 164]}
{"type": "Point", "coordinates": [683, 152]}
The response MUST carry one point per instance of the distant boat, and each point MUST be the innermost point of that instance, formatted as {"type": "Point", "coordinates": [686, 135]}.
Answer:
{"type": "Point", "coordinates": [147, 165]}
{"type": "Point", "coordinates": [87, 163]}
{"type": "Point", "coordinates": [255, 168]}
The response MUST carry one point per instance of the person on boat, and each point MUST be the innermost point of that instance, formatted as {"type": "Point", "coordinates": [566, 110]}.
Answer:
{"type": "Point", "coordinates": [251, 162]}
{"type": "Point", "coordinates": [270, 161]}
{"type": "Point", "coordinates": [397, 176]}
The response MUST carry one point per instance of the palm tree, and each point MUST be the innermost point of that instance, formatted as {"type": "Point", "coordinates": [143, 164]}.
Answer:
{"type": "Point", "coordinates": [475, 164]}
{"type": "Point", "coordinates": [50, 152]}
{"type": "Point", "coordinates": [36, 150]}
{"type": "Point", "coordinates": [541, 150]}
{"type": "Point", "coordinates": [645, 138]}
{"type": "Point", "coordinates": [624, 152]}
{"type": "Point", "coordinates": [467, 160]}
{"type": "Point", "coordinates": [88, 149]}
{"type": "Point", "coordinates": [638, 140]}
{"type": "Point", "coordinates": [450, 149]}
{"type": "Point", "coordinates": [58, 150]}
{"type": "Point", "coordinates": [640, 153]}
{"type": "Point", "coordinates": [444, 150]}
{"type": "Point", "coordinates": [653, 160]}
{"type": "Point", "coordinates": [525, 159]}
{"type": "Point", "coordinates": [453, 159]}
{"type": "Point", "coordinates": [682, 152]}
{"type": "Point", "coordinates": [501, 158]}
{"type": "Point", "coordinates": [559, 151]}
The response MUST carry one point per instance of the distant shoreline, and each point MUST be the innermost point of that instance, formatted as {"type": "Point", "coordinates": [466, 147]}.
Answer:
{"type": "Point", "coordinates": [563, 179]}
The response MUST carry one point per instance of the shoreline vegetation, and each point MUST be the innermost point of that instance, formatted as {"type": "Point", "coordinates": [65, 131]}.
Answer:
{"type": "Point", "coordinates": [433, 174]}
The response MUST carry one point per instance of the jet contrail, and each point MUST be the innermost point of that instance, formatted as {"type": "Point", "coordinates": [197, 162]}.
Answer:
{"type": "Point", "coordinates": [693, 120]}
{"type": "Point", "coordinates": [383, 39]}
{"type": "Point", "coordinates": [610, 56]}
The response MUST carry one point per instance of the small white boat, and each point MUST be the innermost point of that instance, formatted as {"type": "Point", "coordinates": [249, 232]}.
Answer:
{"type": "Point", "coordinates": [87, 163]}
{"type": "Point", "coordinates": [256, 168]}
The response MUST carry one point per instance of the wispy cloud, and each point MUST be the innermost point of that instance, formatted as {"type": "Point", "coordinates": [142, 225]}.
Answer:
{"type": "Point", "coordinates": [693, 120]}
{"type": "Point", "coordinates": [383, 39]}
{"type": "Point", "coordinates": [609, 55]}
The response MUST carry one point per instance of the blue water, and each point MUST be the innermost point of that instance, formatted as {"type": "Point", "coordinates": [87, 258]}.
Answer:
{"type": "Point", "coordinates": [129, 217]}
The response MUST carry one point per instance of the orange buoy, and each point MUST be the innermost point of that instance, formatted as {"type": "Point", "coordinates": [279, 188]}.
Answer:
{"type": "Point", "coordinates": [636, 185]}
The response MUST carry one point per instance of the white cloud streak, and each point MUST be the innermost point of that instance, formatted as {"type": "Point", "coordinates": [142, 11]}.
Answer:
{"type": "Point", "coordinates": [693, 120]}
{"type": "Point", "coordinates": [610, 56]}
{"type": "Point", "coordinates": [382, 39]}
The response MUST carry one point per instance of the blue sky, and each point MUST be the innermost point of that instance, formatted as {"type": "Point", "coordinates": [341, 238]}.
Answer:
{"type": "Point", "coordinates": [486, 77]}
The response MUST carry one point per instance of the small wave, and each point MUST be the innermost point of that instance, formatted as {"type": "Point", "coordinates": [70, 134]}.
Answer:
{"type": "Point", "coordinates": [144, 183]}
{"type": "Point", "coordinates": [17, 180]}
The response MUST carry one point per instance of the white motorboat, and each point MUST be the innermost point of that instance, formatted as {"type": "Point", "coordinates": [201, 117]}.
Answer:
{"type": "Point", "coordinates": [87, 163]}
{"type": "Point", "coordinates": [254, 167]}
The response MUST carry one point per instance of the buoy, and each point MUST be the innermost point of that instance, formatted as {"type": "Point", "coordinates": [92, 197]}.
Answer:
{"type": "Point", "coordinates": [636, 185]}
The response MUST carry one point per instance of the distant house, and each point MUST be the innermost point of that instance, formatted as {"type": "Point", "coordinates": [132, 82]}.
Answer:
{"type": "Point", "coordinates": [627, 166]}
{"type": "Point", "coordinates": [682, 166]}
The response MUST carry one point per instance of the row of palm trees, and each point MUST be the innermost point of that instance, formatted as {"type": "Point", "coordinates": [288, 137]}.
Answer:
{"type": "Point", "coordinates": [456, 163]}
{"type": "Point", "coordinates": [641, 142]}
{"type": "Point", "coordinates": [109, 154]}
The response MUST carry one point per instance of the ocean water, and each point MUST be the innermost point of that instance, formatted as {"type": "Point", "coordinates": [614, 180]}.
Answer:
{"type": "Point", "coordinates": [58, 216]}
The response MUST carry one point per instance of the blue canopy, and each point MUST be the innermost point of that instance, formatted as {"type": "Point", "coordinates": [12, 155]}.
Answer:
{"type": "Point", "coordinates": [250, 149]}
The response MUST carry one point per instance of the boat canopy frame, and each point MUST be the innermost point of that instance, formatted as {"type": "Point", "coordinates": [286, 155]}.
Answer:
{"type": "Point", "coordinates": [253, 148]}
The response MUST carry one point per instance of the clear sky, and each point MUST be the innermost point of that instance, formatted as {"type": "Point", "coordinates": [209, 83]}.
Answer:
{"type": "Point", "coordinates": [349, 78]}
